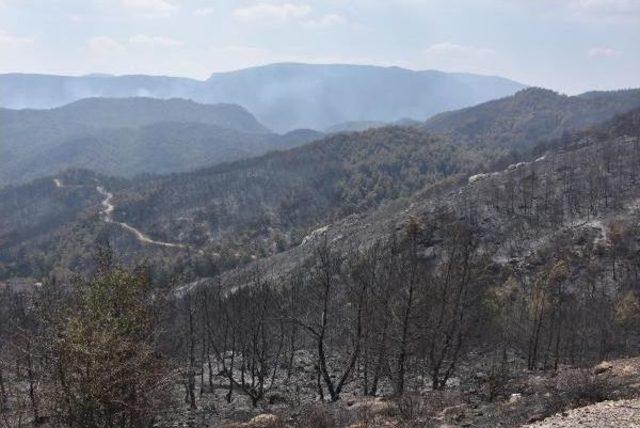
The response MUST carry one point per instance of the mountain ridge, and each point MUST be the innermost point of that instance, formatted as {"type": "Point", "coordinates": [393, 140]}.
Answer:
{"type": "Point", "coordinates": [283, 96]}
{"type": "Point", "coordinates": [532, 115]}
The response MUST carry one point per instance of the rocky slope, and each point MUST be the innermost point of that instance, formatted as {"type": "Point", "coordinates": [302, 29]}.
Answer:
{"type": "Point", "coordinates": [608, 414]}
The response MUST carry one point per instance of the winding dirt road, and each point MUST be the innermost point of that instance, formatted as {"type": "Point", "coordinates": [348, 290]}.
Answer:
{"type": "Point", "coordinates": [107, 216]}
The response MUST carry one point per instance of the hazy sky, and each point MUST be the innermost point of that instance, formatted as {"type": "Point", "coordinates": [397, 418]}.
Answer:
{"type": "Point", "coordinates": [567, 45]}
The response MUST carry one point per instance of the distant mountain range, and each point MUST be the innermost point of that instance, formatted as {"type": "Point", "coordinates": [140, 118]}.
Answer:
{"type": "Point", "coordinates": [282, 96]}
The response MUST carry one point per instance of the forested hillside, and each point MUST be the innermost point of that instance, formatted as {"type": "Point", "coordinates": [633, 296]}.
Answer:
{"type": "Point", "coordinates": [257, 207]}
{"type": "Point", "coordinates": [327, 179]}
{"type": "Point", "coordinates": [130, 136]}
{"type": "Point", "coordinates": [531, 116]}
{"type": "Point", "coordinates": [132, 112]}
{"type": "Point", "coordinates": [285, 193]}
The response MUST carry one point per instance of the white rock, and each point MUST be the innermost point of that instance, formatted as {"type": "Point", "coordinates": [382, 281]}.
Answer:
{"type": "Point", "coordinates": [477, 177]}
{"type": "Point", "coordinates": [515, 397]}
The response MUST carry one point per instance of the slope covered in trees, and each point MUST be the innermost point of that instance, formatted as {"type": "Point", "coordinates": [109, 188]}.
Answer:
{"type": "Point", "coordinates": [256, 207]}
{"type": "Point", "coordinates": [158, 148]}
{"type": "Point", "coordinates": [350, 173]}
{"type": "Point", "coordinates": [133, 112]}
{"type": "Point", "coordinates": [531, 116]}
{"type": "Point", "coordinates": [130, 136]}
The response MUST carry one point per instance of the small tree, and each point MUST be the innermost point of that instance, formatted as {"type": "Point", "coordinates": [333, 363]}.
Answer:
{"type": "Point", "coordinates": [627, 315]}
{"type": "Point", "coordinates": [102, 362]}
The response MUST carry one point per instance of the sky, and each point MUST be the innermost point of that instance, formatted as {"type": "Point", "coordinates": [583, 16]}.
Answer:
{"type": "Point", "coordinates": [571, 46]}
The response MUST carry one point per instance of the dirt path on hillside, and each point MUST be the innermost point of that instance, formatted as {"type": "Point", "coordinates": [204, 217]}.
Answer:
{"type": "Point", "coordinates": [107, 216]}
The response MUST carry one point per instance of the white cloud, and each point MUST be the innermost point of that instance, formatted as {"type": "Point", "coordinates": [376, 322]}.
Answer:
{"type": "Point", "coordinates": [204, 11]}
{"type": "Point", "coordinates": [9, 41]}
{"type": "Point", "coordinates": [151, 7]}
{"type": "Point", "coordinates": [611, 6]}
{"type": "Point", "coordinates": [269, 12]}
{"type": "Point", "coordinates": [596, 12]}
{"type": "Point", "coordinates": [448, 49]}
{"type": "Point", "coordinates": [103, 46]}
{"type": "Point", "coordinates": [603, 52]}
{"type": "Point", "coordinates": [325, 21]}
{"type": "Point", "coordinates": [615, 11]}
{"type": "Point", "coordinates": [154, 41]}
{"type": "Point", "coordinates": [76, 17]}
{"type": "Point", "coordinates": [233, 57]}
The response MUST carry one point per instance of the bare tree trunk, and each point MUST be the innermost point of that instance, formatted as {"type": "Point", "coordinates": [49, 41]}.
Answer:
{"type": "Point", "coordinates": [191, 375]}
{"type": "Point", "coordinates": [412, 229]}
{"type": "Point", "coordinates": [382, 351]}
{"type": "Point", "coordinates": [535, 336]}
{"type": "Point", "coordinates": [32, 383]}
{"type": "Point", "coordinates": [402, 355]}
{"type": "Point", "coordinates": [3, 389]}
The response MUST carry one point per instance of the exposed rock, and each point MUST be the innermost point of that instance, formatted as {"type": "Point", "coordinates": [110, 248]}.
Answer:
{"type": "Point", "coordinates": [478, 177]}
{"type": "Point", "coordinates": [453, 382]}
{"type": "Point", "coordinates": [515, 397]}
{"type": "Point", "coordinates": [374, 406]}
{"type": "Point", "coordinates": [602, 367]}
{"type": "Point", "coordinates": [315, 234]}
{"type": "Point", "coordinates": [427, 253]}
{"type": "Point", "coordinates": [607, 414]}
{"type": "Point", "coordinates": [265, 420]}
